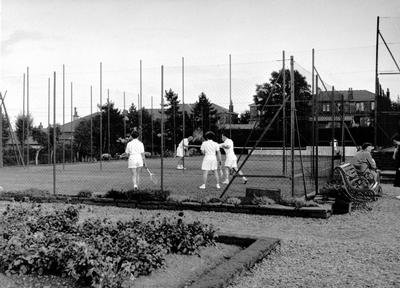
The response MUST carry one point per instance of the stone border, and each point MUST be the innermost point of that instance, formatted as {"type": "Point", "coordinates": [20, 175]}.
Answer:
{"type": "Point", "coordinates": [308, 212]}
{"type": "Point", "coordinates": [223, 274]}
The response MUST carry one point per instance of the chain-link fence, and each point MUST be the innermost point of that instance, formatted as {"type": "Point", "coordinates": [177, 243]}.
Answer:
{"type": "Point", "coordinates": [78, 144]}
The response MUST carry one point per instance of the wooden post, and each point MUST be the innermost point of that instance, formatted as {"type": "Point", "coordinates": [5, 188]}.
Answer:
{"type": "Point", "coordinates": [333, 129]}
{"type": "Point", "coordinates": [342, 128]}
{"type": "Point", "coordinates": [108, 122]}
{"type": "Point", "coordinates": [91, 124]}
{"type": "Point", "coordinates": [183, 110]}
{"type": "Point", "coordinates": [63, 92]}
{"type": "Point", "coordinates": [316, 134]}
{"type": "Point", "coordinates": [23, 118]}
{"type": "Point", "coordinates": [313, 113]}
{"type": "Point", "coordinates": [48, 123]}
{"type": "Point", "coordinates": [292, 124]}
{"type": "Point", "coordinates": [162, 128]}
{"type": "Point", "coordinates": [54, 135]}
{"type": "Point", "coordinates": [284, 168]}
{"type": "Point", "coordinates": [101, 116]}
{"type": "Point", "coordinates": [27, 117]}
{"type": "Point", "coordinates": [72, 127]}
{"type": "Point", "coordinates": [152, 128]}
{"type": "Point", "coordinates": [124, 118]}
{"type": "Point", "coordinates": [376, 84]}
{"type": "Point", "coordinates": [1, 137]}
{"type": "Point", "coordinates": [230, 97]}
{"type": "Point", "coordinates": [140, 105]}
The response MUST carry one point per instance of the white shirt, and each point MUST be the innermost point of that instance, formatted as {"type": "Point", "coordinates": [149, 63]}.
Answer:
{"type": "Point", "coordinates": [134, 147]}
{"type": "Point", "coordinates": [209, 147]}
{"type": "Point", "coordinates": [184, 142]}
{"type": "Point", "coordinates": [228, 147]}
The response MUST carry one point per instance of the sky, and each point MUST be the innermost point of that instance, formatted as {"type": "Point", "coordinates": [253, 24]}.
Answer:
{"type": "Point", "coordinates": [192, 40]}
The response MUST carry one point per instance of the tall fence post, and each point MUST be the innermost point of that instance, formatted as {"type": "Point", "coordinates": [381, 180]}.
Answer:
{"type": "Point", "coordinates": [292, 126]}
{"type": "Point", "coordinates": [54, 135]}
{"type": "Point", "coordinates": [162, 128]}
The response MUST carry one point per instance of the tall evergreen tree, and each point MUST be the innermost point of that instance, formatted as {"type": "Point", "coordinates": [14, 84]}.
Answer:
{"type": "Point", "coordinates": [204, 114]}
{"type": "Point", "coordinates": [173, 123]}
{"type": "Point", "coordinates": [21, 124]}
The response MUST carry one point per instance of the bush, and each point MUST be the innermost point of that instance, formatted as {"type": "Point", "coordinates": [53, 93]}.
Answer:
{"type": "Point", "coordinates": [31, 194]}
{"type": "Point", "coordinates": [298, 203]}
{"type": "Point", "coordinates": [141, 195]}
{"type": "Point", "coordinates": [85, 194]}
{"type": "Point", "coordinates": [99, 253]}
{"type": "Point", "coordinates": [262, 201]}
{"type": "Point", "coordinates": [233, 200]}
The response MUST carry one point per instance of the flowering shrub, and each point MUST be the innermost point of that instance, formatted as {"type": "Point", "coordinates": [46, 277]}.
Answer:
{"type": "Point", "coordinates": [95, 252]}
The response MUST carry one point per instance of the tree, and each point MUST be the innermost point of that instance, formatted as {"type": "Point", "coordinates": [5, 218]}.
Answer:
{"type": "Point", "coordinates": [244, 117]}
{"type": "Point", "coordinates": [82, 132]}
{"type": "Point", "coordinates": [6, 129]}
{"type": "Point", "coordinates": [21, 124]}
{"type": "Point", "coordinates": [173, 123]}
{"type": "Point", "coordinates": [204, 115]}
{"type": "Point", "coordinates": [274, 92]}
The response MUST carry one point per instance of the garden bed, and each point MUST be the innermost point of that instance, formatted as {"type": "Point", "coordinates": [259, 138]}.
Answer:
{"type": "Point", "coordinates": [211, 266]}
{"type": "Point", "coordinates": [145, 200]}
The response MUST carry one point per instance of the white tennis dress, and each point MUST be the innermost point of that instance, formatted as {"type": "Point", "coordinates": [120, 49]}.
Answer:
{"type": "Point", "coordinates": [135, 149]}
{"type": "Point", "coordinates": [179, 149]}
{"type": "Point", "coordinates": [209, 149]}
{"type": "Point", "coordinates": [231, 159]}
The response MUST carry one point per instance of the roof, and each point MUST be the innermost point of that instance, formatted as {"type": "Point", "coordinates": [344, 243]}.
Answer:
{"type": "Point", "coordinates": [66, 128]}
{"type": "Point", "coordinates": [358, 95]}
{"type": "Point", "coordinates": [188, 108]}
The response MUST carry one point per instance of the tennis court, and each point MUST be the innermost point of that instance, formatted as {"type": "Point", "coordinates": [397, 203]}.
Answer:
{"type": "Point", "coordinates": [102, 177]}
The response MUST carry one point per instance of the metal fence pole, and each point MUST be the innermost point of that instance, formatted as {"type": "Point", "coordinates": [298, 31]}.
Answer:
{"type": "Point", "coordinates": [63, 92]}
{"type": "Point", "coordinates": [284, 168]}
{"type": "Point", "coordinates": [292, 127]}
{"type": "Point", "coordinates": [27, 117]}
{"type": "Point", "coordinates": [101, 115]}
{"type": "Point", "coordinates": [162, 128]}
{"type": "Point", "coordinates": [91, 124]}
{"type": "Point", "coordinates": [54, 135]}
{"type": "Point", "coordinates": [48, 124]}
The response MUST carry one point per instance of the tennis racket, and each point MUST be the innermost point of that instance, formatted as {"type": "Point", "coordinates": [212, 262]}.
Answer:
{"type": "Point", "coordinates": [198, 135]}
{"type": "Point", "coordinates": [221, 172]}
{"type": "Point", "coordinates": [153, 178]}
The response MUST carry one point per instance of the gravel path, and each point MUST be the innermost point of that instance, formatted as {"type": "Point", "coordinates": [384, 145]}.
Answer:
{"type": "Point", "coordinates": [361, 249]}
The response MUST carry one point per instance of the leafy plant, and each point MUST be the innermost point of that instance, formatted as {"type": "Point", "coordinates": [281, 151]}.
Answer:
{"type": "Point", "coordinates": [85, 194]}
{"type": "Point", "coordinates": [95, 252]}
{"type": "Point", "coordinates": [234, 201]}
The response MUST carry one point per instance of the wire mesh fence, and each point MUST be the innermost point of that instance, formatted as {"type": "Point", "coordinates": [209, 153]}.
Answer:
{"type": "Point", "coordinates": [275, 139]}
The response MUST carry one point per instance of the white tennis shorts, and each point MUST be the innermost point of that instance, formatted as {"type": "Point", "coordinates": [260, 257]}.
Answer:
{"type": "Point", "coordinates": [209, 163]}
{"type": "Point", "coordinates": [135, 161]}
{"type": "Point", "coordinates": [179, 153]}
{"type": "Point", "coordinates": [231, 163]}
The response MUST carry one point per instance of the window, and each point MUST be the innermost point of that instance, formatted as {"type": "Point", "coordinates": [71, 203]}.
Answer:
{"type": "Point", "coordinates": [326, 107]}
{"type": "Point", "coordinates": [372, 106]}
{"type": "Point", "coordinates": [362, 106]}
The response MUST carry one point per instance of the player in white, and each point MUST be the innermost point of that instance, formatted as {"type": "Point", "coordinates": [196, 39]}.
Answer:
{"type": "Point", "coordinates": [136, 160]}
{"type": "Point", "coordinates": [181, 151]}
{"type": "Point", "coordinates": [211, 152]}
{"type": "Point", "coordinates": [230, 159]}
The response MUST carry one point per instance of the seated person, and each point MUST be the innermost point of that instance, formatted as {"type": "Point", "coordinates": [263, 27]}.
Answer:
{"type": "Point", "coordinates": [364, 162]}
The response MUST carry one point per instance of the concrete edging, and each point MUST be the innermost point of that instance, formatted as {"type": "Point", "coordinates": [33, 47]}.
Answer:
{"type": "Point", "coordinates": [223, 275]}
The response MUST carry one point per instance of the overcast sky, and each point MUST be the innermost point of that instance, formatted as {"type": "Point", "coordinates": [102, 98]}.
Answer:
{"type": "Point", "coordinates": [45, 34]}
